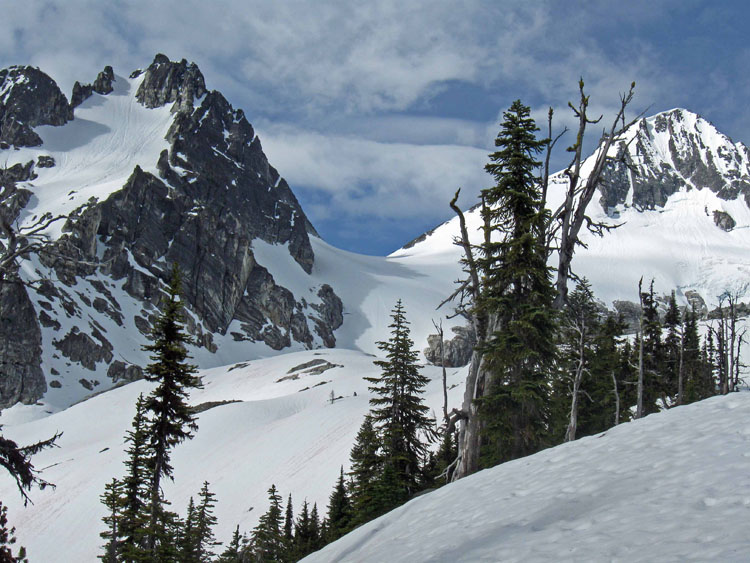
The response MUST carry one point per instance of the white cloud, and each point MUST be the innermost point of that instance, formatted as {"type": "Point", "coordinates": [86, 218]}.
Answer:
{"type": "Point", "coordinates": [366, 178]}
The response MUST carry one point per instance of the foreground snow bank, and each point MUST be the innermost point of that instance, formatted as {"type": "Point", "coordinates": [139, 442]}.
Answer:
{"type": "Point", "coordinates": [671, 487]}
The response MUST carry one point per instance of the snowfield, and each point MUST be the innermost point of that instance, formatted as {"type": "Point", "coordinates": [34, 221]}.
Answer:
{"type": "Point", "coordinates": [286, 433]}
{"type": "Point", "coordinates": [674, 486]}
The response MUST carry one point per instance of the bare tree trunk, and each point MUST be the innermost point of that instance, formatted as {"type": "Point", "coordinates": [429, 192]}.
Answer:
{"type": "Point", "coordinates": [639, 406]}
{"type": "Point", "coordinates": [681, 366]}
{"type": "Point", "coordinates": [572, 213]}
{"type": "Point", "coordinates": [439, 328]}
{"type": "Point", "coordinates": [617, 399]}
{"type": "Point", "coordinates": [570, 433]}
{"type": "Point", "coordinates": [471, 426]}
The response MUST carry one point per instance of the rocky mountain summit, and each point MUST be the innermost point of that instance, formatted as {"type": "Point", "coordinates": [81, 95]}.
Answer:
{"type": "Point", "coordinates": [672, 151]}
{"type": "Point", "coordinates": [204, 201]}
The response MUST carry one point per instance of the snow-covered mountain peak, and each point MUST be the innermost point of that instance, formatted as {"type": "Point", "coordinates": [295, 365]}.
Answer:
{"type": "Point", "coordinates": [673, 151]}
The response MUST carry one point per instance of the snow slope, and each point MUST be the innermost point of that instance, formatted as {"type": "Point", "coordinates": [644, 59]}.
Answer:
{"type": "Point", "coordinates": [283, 432]}
{"type": "Point", "coordinates": [674, 486]}
{"type": "Point", "coordinates": [96, 152]}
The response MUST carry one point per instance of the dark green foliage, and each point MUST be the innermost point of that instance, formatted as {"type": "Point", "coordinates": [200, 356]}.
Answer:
{"type": "Point", "coordinates": [236, 551]}
{"type": "Point", "coordinates": [188, 545]}
{"type": "Point", "coordinates": [653, 383]}
{"type": "Point", "coordinates": [317, 528]}
{"type": "Point", "coordinates": [267, 540]}
{"type": "Point", "coordinates": [8, 539]}
{"type": "Point", "coordinates": [135, 487]}
{"type": "Point", "coordinates": [366, 468]}
{"type": "Point", "coordinates": [699, 367]}
{"type": "Point", "coordinates": [516, 292]}
{"type": "Point", "coordinates": [289, 522]}
{"type": "Point", "coordinates": [171, 421]}
{"type": "Point", "coordinates": [113, 500]}
{"type": "Point", "coordinates": [306, 537]}
{"type": "Point", "coordinates": [397, 410]}
{"type": "Point", "coordinates": [205, 520]}
{"type": "Point", "coordinates": [339, 510]}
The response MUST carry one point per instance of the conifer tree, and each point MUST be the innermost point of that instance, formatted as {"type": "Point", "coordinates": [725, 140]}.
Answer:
{"type": "Point", "coordinates": [235, 551]}
{"type": "Point", "coordinates": [205, 520]}
{"type": "Point", "coordinates": [339, 510]}
{"type": "Point", "coordinates": [397, 409]}
{"type": "Point", "coordinates": [189, 536]}
{"type": "Point", "coordinates": [317, 529]}
{"type": "Point", "coordinates": [135, 487]}
{"type": "Point", "coordinates": [267, 539]}
{"type": "Point", "coordinates": [304, 541]}
{"type": "Point", "coordinates": [653, 352]}
{"type": "Point", "coordinates": [171, 421]}
{"type": "Point", "coordinates": [113, 500]}
{"type": "Point", "coordinates": [516, 295]}
{"type": "Point", "coordinates": [8, 539]}
{"type": "Point", "coordinates": [365, 471]}
{"type": "Point", "coordinates": [289, 523]}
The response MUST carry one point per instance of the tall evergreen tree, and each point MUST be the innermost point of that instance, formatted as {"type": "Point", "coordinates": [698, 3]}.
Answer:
{"type": "Point", "coordinates": [205, 520]}
{"type": "Point", "coordinates": [135, 487]}
{"type": "Point", "coordinates": [317, 529]}
{"type": "Point", "coordinates": [289, 523]}
{"type": "Point", "coordinates": [339, 510]}
{"type": "Point", "coordinates": [516, 295]}
{"type": "Point", "coordinates": [366, 468]}
{"type": "Point", "coordinates": [267, 539]}
{"type": "Point", "coordinates": [304, 540]}
{"type": "Point", "coordinates": [397, 409]}
{"type": "Point", "coordinates": [189, 535]}
{"type": "Point", "coordinates": [653, 352]}
{"type": "Point", "coordinates": [171, 421]}
{"type": "Point", "coordinates": [113, 500]}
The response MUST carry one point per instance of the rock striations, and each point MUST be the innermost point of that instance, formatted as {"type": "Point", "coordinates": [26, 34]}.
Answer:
{"type": "Point", "coordinates": [209, 196]}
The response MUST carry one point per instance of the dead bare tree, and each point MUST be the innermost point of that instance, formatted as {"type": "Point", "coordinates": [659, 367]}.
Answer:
{"type": "Point", "coordinates": [729, 339]}
{"type": "Point", "coordinates": [570, 217]}
{"type": "Point", "coordinates": [439, 329]}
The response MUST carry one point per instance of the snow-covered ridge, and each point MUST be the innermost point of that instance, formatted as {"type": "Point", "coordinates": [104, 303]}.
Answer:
{"type": "Point", "coordinates": [674, 486]}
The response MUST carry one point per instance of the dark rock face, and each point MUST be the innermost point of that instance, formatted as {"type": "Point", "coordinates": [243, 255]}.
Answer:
{"type": "Point", "coordinates": [79, 347]}
{"type": "Point", "coordinates": [689, 164]}
{"type": "Point", "coordinates": [696, 303]}
{"type": "Point", "coordinates": [456, 351]}
{"type": "Point", "coordinates": [724, 220]}
{"type": "Point", "coordinates": [167, 82]}
{"type": "Point", "coordinates": [21, 376]}
{"type": "Point", "coordinates": [214, 199]}
{"type": "Point", "coordinates": [102, 85]}
{"type": "Point", "coordinates": [120, 371]}
{"type": "Point", "coordinates": [29, 98]}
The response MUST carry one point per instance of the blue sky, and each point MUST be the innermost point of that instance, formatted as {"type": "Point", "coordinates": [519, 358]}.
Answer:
{"type": "Point", "coordinates": [376, 111]}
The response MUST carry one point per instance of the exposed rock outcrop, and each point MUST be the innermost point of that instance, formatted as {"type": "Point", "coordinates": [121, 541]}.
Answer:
{"type": "Point", "coordinates": [654, 171]}
{"type": "Point", "coordinates": [21, 376]}
{"type": "Point", "coordinates": [724, 220]}
{"type": "Point", "coordinates": [456, 351]}
{"type": "Point", "coordinates": [29, 98]}
{"type": "Point", "coordinates": [102, 85]}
